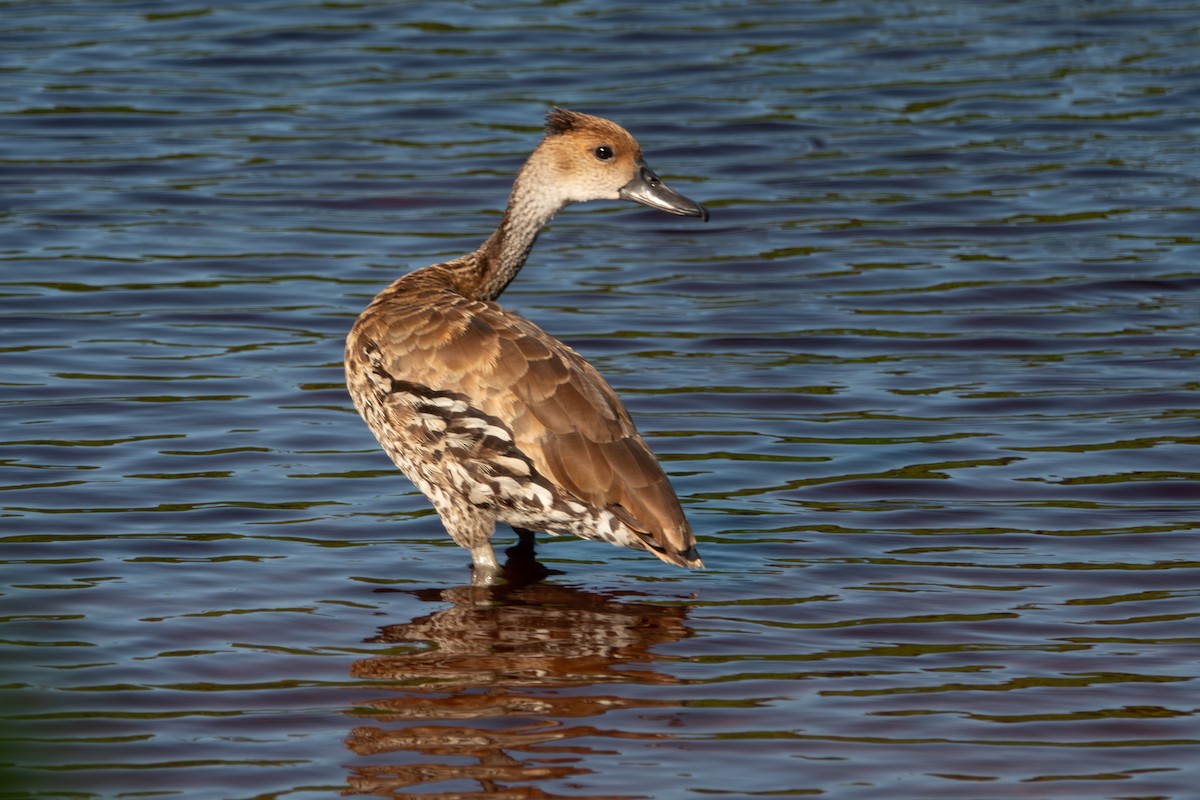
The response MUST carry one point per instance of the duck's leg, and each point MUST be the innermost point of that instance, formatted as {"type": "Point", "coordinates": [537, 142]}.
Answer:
{"type": "Point", "coordinates": [471, 527]}
{"type": "Point", "coordinates": [526, 540]}
{"type": "Point", "coordinates": [483, 572]}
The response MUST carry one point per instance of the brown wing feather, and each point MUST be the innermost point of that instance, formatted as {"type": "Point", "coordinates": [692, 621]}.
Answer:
{"type": "Point", "coordinates": [563, 415]}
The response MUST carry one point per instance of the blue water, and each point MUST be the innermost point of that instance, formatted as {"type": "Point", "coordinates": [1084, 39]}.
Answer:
{"type": "Point", "coordinates": [925, 384]}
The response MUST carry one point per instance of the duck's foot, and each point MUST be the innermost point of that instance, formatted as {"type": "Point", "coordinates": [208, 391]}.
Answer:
{"type": "Point", "coordinates": [485, 570]}
{"type": "Point", "coordinates": [521, 565]}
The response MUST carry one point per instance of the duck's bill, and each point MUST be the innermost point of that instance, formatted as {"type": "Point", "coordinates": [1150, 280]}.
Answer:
{"type": "Point", "coordinates": [649, 190]}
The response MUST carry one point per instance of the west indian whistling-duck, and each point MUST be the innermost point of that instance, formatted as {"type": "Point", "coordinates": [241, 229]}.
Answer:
{"type": "Point", "coordinates": [491, 417]}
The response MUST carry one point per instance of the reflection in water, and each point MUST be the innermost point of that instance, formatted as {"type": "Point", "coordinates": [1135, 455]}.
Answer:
{"type": "Point", "coordinates": [492, 701]}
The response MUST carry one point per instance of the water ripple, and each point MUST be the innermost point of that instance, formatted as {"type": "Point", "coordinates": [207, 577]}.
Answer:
{"type": "Point", "coordinates": [923, 383]}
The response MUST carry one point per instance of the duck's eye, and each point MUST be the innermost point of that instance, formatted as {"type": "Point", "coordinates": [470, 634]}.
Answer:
{"type": "Point", "coordinates": [603, 152]}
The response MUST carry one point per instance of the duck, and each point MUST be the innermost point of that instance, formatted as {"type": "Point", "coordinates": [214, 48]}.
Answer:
{"type": "Point", "coordinates": [493, 419]}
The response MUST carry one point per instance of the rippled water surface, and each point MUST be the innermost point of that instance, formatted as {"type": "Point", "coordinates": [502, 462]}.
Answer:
{"type": "Point", "coordinates": [926, 384]}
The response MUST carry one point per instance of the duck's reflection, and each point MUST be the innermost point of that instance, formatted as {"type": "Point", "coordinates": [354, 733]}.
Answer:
{"type": "Point", "coordinates": [496, 699]}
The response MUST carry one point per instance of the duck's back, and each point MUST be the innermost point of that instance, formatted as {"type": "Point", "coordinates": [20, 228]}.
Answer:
{"type": "Point", "coordinates": [473, 400]}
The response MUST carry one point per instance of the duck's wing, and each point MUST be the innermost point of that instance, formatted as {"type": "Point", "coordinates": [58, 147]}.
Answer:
{"type": "Point", "coordinates": [561, 414]}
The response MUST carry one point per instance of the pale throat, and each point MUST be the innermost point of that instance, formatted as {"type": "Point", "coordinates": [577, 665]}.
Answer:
{"type": "Point", "coordinates": [535, 199]}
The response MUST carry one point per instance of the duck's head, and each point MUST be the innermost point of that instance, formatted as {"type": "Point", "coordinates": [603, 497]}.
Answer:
{"type": "Point", "coordinates": [591, 158]}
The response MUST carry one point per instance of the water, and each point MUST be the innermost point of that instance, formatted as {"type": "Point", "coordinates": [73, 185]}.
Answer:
{"type": "Point", "coordinates": [925, 383]}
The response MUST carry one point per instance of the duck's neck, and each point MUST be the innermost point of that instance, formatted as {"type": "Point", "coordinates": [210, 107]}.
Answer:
{"type": "Point", "coordinates": [483, 274]}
